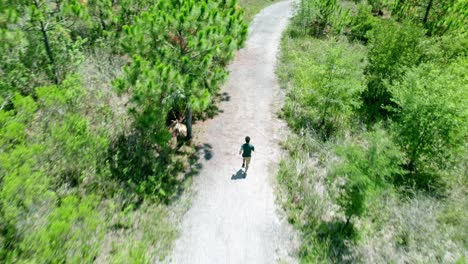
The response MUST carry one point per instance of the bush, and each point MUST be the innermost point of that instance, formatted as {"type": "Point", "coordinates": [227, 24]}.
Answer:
{"type": "Point", "coordinates": [354, 177]}
{"type": "Point", "coordinates": [432, 116]}
{"type": "Point", "coordinates": [69, 235]}
{"type": "Point", "coordinates": [365, 168]}
{"type": "Point", "coordinates": [379, 5]}
{"type": "Point", "coordinates": [318, 18]}
{"type": "Point", "coordinates": [393, 48]}
{"type": "Point", "coordinates": [327, 78]}
{"type": "Point", "coordinates": [362, 22]}
{"type": "Point", "coordinates": [75, 151]}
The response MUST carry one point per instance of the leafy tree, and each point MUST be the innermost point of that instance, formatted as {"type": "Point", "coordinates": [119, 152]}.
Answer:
{"type": "Point", "coordinates": [393, 48]}
{"type": "Point", "coordinates": [68, 235]}
{"type": "Point", "coordinates": [40, 164]}
{"type": "Point", "coordinates": [195, 38]}
{"type": "Point", "coordinates": [109, 17]}
{"type": "Point", "coordinates": [438, 17]}
{"type": "Point", "coordinates": [365, 169]}
{"type": "Point", "coordinates": [362, 22]}
{"type": "Point", "coordinates": [151, 86]}
{"type": "Point", "coordinates": [319, 17]}
{"type": "Point", "coordinates": [379, 5]}
{"type": "Point", "coordinates": [432, 114]}
{"type": "Point", "coordinates": [44, 44]}
{"type": "Point", "coordinates": [326, 87]}
{"type": "Point", "coordinates": [13, 73]}
{"type": "Point", "coordinates": [143, 163]}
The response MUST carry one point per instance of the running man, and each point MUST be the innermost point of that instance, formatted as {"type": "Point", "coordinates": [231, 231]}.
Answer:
{"type": "Point", "coordinates": [246, 151]}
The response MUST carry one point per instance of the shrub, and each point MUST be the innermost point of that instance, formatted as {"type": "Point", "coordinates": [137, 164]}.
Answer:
{"type": "Point", "coordinates": [378, 5]}
{"type": "Point", "coordinates": [362, 22]}
{"type": "Point", "coordinates": [364, 168]}
{"type": "Point", "coordinates": [68, 234]}
{"type": "Point", "coordinates": [438, 17]}
{"type": "Point", "coordinates": [318, 18]}
{"type": "Point", "coordinates": [432, 116]}
{"type": "Point", "coordinates": [392, 49]}
{"type": "Point", "coordinates": [327, 78]}
{"type": "Point", "coordinates": [75, 151]}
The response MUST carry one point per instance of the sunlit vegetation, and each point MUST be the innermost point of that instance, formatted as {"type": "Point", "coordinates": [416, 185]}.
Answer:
{"type": "Point", "coordinates": [252, 7]}
{"type": "Point", "coordinates": [376, 99]}
{"type": "Point", "coordinates": [89, 93]}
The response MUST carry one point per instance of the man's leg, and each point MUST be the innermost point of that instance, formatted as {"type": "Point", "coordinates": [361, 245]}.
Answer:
{"type": "Point", "coordinates": [243, 162]}
{"type": "Point", "coordinates": [247, 162]}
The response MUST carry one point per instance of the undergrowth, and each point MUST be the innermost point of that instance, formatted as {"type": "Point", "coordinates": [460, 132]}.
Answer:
{"type": "Point", "coordinates": [357, 181]}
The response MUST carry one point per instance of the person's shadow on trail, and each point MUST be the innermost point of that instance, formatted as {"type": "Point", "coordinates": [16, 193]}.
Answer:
{"type": "Point", "coordinates": [239, 175]}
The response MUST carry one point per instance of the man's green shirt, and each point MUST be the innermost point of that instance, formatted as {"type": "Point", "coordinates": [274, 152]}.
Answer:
{"type": "Point", "coordinates": [247, 150]}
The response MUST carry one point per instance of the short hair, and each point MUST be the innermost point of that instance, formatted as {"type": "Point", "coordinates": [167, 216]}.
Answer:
{"type": "Point", "coordinates": [247, 139]}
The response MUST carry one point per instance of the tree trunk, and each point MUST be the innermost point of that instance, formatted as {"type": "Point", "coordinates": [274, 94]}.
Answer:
{"type": "Point", "coordinates": [45, 39]}
{"type": "Point", "coordinates": [49, 52]}
{"type": "Point", "coordinates": [101, 19]}
{"type": "Point", "coordinates": [347, 220]}
{"type": "Point", "coordinates": [428, 9]}
{"type": "Point", "coordinates": [188, 122]}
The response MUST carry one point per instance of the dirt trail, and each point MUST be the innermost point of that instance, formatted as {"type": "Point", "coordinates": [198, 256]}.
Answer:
{"type": "Point", "coordinates": [235, 219]}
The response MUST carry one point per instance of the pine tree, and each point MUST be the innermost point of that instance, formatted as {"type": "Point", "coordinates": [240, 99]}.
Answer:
{"type": "Point", "coordinates": [42, 42]}
{"type": "Point", "coordinates": [197, 39]}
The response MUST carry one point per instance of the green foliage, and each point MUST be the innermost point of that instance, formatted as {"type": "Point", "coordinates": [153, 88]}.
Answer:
{"type": "Point", "coordinates": [75, 149]}
{"type": "Point", "coordinates": [432, 115]}
{"type": "Point", "coordinates": [39, 46]}
{"type": "Point", "coordinates": [318, 18]}
{"type": "Point", "coordinates": [179, 51]}
{"type": "Point", "coordinates": [72, 166]}
{"type": "Point", "coordinates": [362, 170]}
{"type": "Point", "coordinates": [438, 17]}
{"type": "Point", "coordinates": [140, 160]}
{"type": "Point", "coordinates": [39, 165]}
{"type": "Point", "coordinates": [137, 243]}
{"type": "Point", "coordinates": [106, 18]}
{"type": "Point", "coordinates": [302, 189]}
{"type": "Point", "coordinates": [327, 78]}
{"type": "Point", "coordinates": [393, 48]}
{"type": "Point", "coordinates": [375, 179]}
{"type": "Point", "coordinates": [362, 22]}
{"type": "Point", "coordinates": [136, 254]}
{"type": "Point", "coordinates": [379, 5]}
{"type": "Point", "coordinates": [195, 38]}
{"type": "Point", "coordinates": [68, 234]}
{"type": "Point", "coordinates": [151, 86]}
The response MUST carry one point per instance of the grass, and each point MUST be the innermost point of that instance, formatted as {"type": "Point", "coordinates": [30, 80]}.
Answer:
{"type": "Point", "coordinates": [145, 235]}
{"type": "Point", "coordinates": [252, 7]}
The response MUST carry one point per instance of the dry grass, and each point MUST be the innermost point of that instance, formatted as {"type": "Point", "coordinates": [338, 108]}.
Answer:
{"type": "Point", "coordinates": [412, 231]}
{"type": "Point", "coordinates": [395, 229]}
{"type": "Point", "coordinates": [104, 107]}
{"type": "Point", "coordinates": [144, 235]}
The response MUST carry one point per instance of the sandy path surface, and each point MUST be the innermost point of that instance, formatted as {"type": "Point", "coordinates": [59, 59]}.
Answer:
{"type": "Point", "coordinates": [235, 219]}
